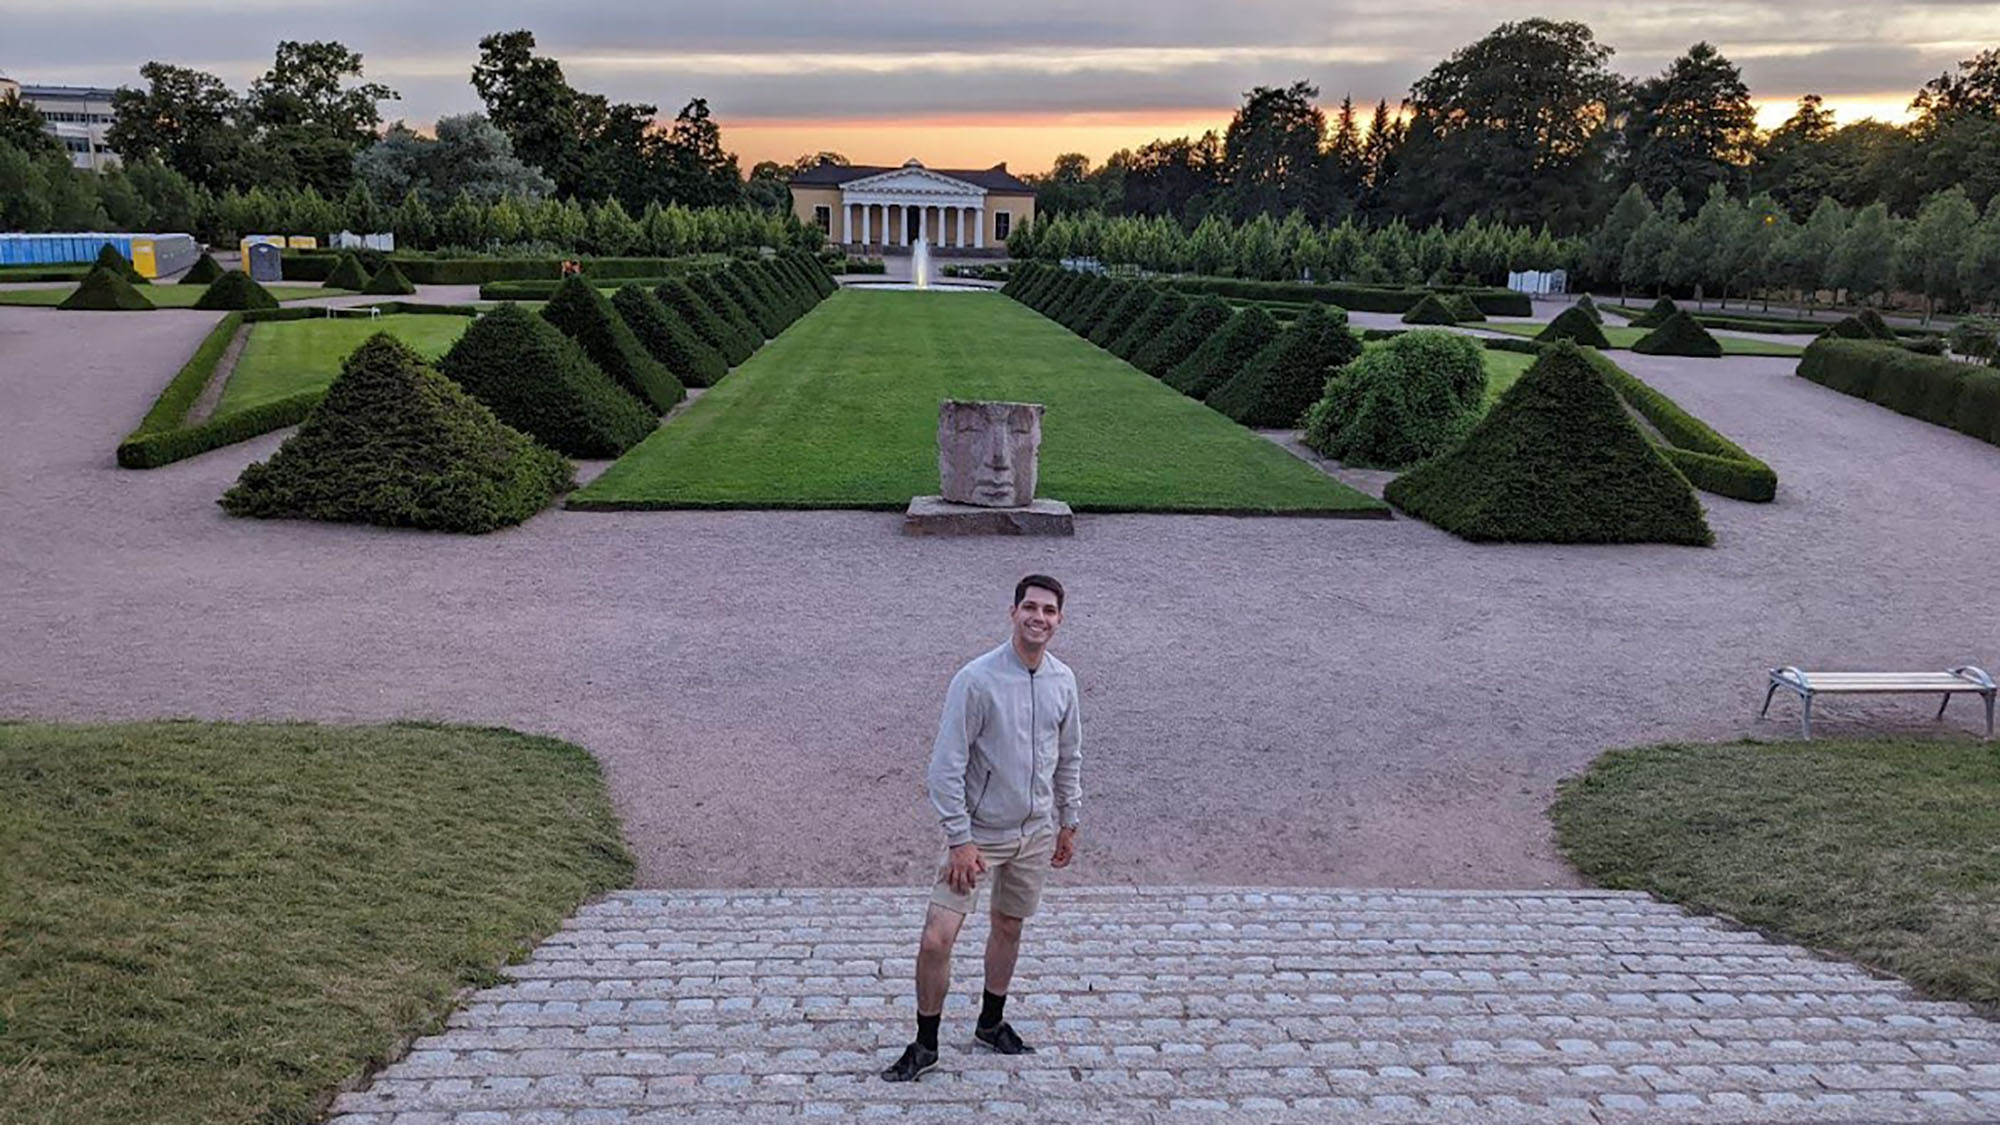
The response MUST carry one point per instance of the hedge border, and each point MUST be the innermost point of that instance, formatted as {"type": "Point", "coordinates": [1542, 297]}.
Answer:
{"type": "Point", "coordinates": [1357, 298]}
{"type": "Point", "coordinates": [163, 437]}
{"type": "Point", "coordinates": [1961, 397]}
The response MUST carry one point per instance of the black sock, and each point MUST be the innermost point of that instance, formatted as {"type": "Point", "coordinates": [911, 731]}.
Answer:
{"type": "Point", "coordinates": [990, 1009]}
{"type": "Point", "coordinates": [927, 1031]}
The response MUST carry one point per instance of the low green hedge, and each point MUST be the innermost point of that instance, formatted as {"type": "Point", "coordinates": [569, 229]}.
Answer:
{"type": "Point", "coordinates": [1708, 460]}
{"type": "Point", "coordinates": [150, 451]}
{"type": "Point", "coordinates": [542, 290]}
{"type": "Point", "coordinates": [43, 273]}
{"type": "Point", "coordinates": [478, 271]}
{"type": "Point", "coordinates": [1938, 390]}
{"type": "Point", "coordinates": [864, 265]}
{"type": "Point", "coordinates": [1361, 298]}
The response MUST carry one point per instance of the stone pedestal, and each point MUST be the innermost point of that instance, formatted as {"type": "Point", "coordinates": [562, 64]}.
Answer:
{"type": "Point", "coordinates": [934, 515]}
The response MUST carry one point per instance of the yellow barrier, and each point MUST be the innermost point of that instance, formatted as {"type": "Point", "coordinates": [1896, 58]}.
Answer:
{"type": "Point", "coordinates": [142, 258]}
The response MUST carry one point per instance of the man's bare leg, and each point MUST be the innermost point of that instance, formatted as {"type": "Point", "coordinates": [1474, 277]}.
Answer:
{"type": "Point", "coordinates": [1003, 948]}
{"type": "Point", "coordinates": [941, 928]}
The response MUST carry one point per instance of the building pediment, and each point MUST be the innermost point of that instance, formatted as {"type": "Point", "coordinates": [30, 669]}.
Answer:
{"type": "Point", "coordinates": [913, 181]}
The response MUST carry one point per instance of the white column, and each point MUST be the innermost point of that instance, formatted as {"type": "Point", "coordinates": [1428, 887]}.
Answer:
{"type": "Point", "coordinates": [923, 221]}
{"type": "Point", "coordinates": [979, 227]}
{"type": "Point", "coordinates": [958, 226]}
{"type": "Point", "coordinates": [846, 223]}
{"type": "Point", "coordinates": [888, 224]}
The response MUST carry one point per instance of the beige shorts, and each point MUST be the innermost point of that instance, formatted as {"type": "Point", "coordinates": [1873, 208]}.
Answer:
{"type": "Point", "coordinates": [1015, 870]}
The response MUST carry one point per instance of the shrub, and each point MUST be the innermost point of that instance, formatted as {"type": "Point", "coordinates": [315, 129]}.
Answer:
{"type": "Point", "coordinates": [1876, 326]}
{"type": "Point", "coordinates": [1849, 328]}
{"type": "Point", "coordinates": [669, 339]}
{"type": "Point", "coordinates": [1590, 308]}
{"type": "Point", "coordinates": [586, 317]}
{"type": "Point", "coordinates": [735, 281]}
{"type": "Point", "coordinates": [396, 443]}
{"type": "Point", "coordinates": [1166, 306]}
{"type": "Point", "coordinates": [1223, 354]}
{"type": "Point", "coordinates": [1361, 298]}
{"type": "Point", "coordinates": [1557, 460]}
{"type": "Point", "coordinates": [748, 338]}
{"type": "Point", "coordinates": [1019, 279]}
{"type": "Point", "coordinates": [1277, 386]}
{"type": "Point", "coordinates": [1941, 391]}
{"type": "Point", "coordinates": [1974, 337]}
{"type": "Point", "coordinates": [778, 294]}
{"type": "Point", "coordinates": [707, 324]}
{"type": "Point", "coordinates": [1430, 310]}
{"type": "Point", "coordinates": [1463, 309]}
{"type": "Point", "coordinates": [1925, 345]}
{"type": "Point", "coordinates": [1679, 335]}
{"type": "Point", "coordinates": [107, 290]}
{"type": "Point", "coordinates": [388, 282]}
{"type": "Point", "coordinates": [1088, 299]}
{"type": "Point", "coordinates": [348, 274]}
{"type": "Point", "coordinates": [538, 381]}
{"type": "Point", "coordinates": [1708, 460]}
{"type": "Point", "coordinates": [1409, 399]}
{"type": "Point", "coordinates": [1111, 295]}
{"type": "Point", "coordinates": [795, 285]}
{"type": "Point", "coordinates": [815, 269]}
{"type": "Point", "coordinates": [109, 258]}
{"type": "Point", "coordinates": [204, 271]}
{"type": "Point", "coordinates": [1574, 325]}
{"type": "Point", "coordinates": [1119, 318]}
{"type": "Point", "coordinates": [1657, 315]}
{"type": "Point", "coordinates": [1201, 319]}
{"type": "Point", "coordinates": [1058, 296]}
{"type": "Point", "coordinates": [235, 291]}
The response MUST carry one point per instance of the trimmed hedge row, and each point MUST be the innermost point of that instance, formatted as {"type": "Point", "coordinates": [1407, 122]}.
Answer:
{"type": "Point", "coordinates": [1708, 460]}
{"type": "Point", "coordinates": [1360, 298]}
{"type": "Point", "coordinates": [1938, 390]}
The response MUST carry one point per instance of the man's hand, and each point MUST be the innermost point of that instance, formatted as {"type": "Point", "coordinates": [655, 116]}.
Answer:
{"type": "Point", "coordinates": [967, 865]}
{"type": "Point", "coordinates": [1065, 848]}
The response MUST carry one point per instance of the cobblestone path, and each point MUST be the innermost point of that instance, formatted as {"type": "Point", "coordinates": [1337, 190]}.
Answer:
{"type": "Point", "coordinates": [1198, 1005]}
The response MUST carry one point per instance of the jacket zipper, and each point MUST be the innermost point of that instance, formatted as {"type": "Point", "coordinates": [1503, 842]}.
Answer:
{"type": "Point", "coordinates": [1033, 733]}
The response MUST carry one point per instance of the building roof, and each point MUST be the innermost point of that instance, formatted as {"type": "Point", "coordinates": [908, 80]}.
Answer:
{"type": "Point", "coordinates": [97, 93]}
{"type": "Point", "coordinates": [996, 178]}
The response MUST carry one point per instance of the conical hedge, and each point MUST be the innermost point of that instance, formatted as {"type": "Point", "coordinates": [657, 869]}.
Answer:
{"type": "Point", "coordinates": [669, 339]}
{"type": "Point", "coordinates": [1058, 296]}
{"type": "Point", "coordinates": [388, 282]}
{"type": "Point", "coordinates": [1113, 294]}
{"type": "Point", "coordinates": [106, 290]}
{"type": "Point", "coordinates": [1119, 319]}
{"type": "Point", "coordinates": [1657, 315]}
{"type": "Point", "coordinates": [348, 273]}
{"type": "Point", "coordinates": [1557, 460]}
{"type": "Point", "coordinates": [1680, 335]}
{"type": "Point", "coordinates": [586, 317]}
{"type": "Point", "coordinates": [205, 270]}
{"type": "Point", "coordinates": [815, 269]}
{"type": "Point", "coordinates": [109, 258]}
{"type": "Point", "coordinates": [1877, 327]}
{"type": "Point", "coordinates": [710, 291]}
{"type": "Point", "coordinates": [775, 292]}
{"type": "Point", "coordinates": [1589, 306]}
{"type": "Point", "coordinates": [763, 317]}
{"type": "Point", "coordinates": [538, 381]}
{"type": "Point", "coordinates": [1575, 325]}
{"type": "Point", "coordinates": [235, 291]}
{"type": "Point", "coordinates": [1033, 283]}
{"type": "Point", "coordinates": [707, 324]}
{"type": "Point", "coordinates": [396, 443]}
{"type": "Point", "coordinates": [1405, 400]}
{"type": "Point", "coordinates": [1223, 354]}
{"type": "Point", "coordinates": [1166, 307]}
{"type": "Point", "coordinates": [1430, 310]}
{"type": "Point", "coordinates": [1464, 309]}
{"type": "Point", "coordinates": [1191, 330]}
{"type": "Point", "coordinates": [1276, 387]}
{"type": "Point", "coordinates": [1089, 292]}
{"type": "Point", "coordinates": [1019, 277]}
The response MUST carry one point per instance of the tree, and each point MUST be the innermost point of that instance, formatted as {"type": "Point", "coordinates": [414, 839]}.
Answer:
{"type": "Point", "coordinates": [1607, 244]}
{"type": "Point", "coordinates": [1177, 177]}
{"type": "Point", "coordinates": [1864, 252]}
{"type": "Point", "coordinates": [1973, 90]}
{"type": "Point", "coordinates": [24, 191]}
{"type": "Point", "coordinates": [1691, 126]}
{"type": "Point", "coordinates": [469, 156]}
{"type": "Point", "coordinates": [1067, 187]}
{"type": "Point", "coordinates": [1380, 151]}
{"type": "Point", "coordinates": [588, 145]}
{"type": "Point", "coordinates": [699, 172]}
{"type": "Point", "coordinates": [1979, 264]}
{"type": "Point", "coordinates": [24, 129]}
{"type": "Point", "coordinates": [1644, 264]}
{"type": "Point", "coordinates": [188, 119]}
{"type": "Point", "coordinates": [310, 116]}
{"type": "Point", "coordinates": [766, 189]}
{"type": "Point", "coordinates": [1515, 126]}
{"type": "Point", "coordinates": [1928, 253]}
{"type": "Point", "coordinates": [1343, 169]}
{"type": "Point", "coordinates": [1806, 258]}
{"type": "Point", "coordinates": [1790, 163]}
{"type": "Point", "coordinates": [1271, 151]}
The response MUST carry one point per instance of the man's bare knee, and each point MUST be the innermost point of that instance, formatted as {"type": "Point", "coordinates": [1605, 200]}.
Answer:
{"type": "Point", "coordinates": [941, 928]}
{"type": "Point", "coordinates": [1007, 926]}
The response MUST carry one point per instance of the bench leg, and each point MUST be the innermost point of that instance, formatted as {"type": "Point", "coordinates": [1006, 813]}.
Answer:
{"type": "Point", "coordinates": [1805, 717]}
{"type": "Point", "coordinates": [1989, 716]}
{"type": "Point", "coordinates": [1765, 713]}
{"type": "Point", "coordinates": [1943, 703]}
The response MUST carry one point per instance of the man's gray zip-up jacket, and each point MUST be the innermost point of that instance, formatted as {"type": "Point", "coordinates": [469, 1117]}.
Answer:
{"type": "Point", "coordinates": [1008, 761]}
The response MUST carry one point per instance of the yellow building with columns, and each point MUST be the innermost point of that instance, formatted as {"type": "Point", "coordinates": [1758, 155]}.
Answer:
{"type": "Point", "coordinates": [864, 208]}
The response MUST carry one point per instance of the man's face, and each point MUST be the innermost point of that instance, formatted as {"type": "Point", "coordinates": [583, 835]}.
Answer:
{"type": "Point", "coordinates": [1036, 618]}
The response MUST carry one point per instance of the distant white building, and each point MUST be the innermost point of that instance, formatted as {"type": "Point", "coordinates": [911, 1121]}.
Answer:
{"type": "Point", "coordinates": [77, 116]}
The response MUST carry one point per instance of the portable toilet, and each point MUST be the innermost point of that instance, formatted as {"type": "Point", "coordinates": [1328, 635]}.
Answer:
{"type": "Point", "coordinates": [264, 262]}
{"type": "Point", "coordinates": [302, 242]}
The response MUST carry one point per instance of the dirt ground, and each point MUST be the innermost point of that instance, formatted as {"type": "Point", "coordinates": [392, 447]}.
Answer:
{"type": "Point", "coordinates": [1268, 701]}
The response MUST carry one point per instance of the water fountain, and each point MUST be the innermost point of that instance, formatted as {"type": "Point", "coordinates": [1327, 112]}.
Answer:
{"type": "Point", "coordinates": [921, 275]}
{"type": "Point", "coordinates": [920, 264]}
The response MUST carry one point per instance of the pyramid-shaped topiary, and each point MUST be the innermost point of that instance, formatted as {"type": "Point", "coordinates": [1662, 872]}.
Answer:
{"type": "Point", "coordinates": [668, 338]}
{"type": "Point", "coordinates": [1574, 325]}
{"type": "Point", "coordinates": [204, 271]}
{"type": "Point", "coordinates": [1223, 354]}
{"type": "Point", "coordinates": [1037, 283]}
{"type": "Point", "coordinates": [1557, 460]}
{"type": "Point", "coordinates": [1464, 309]}
{"type": "Point", "coordinates": [109, 258]}
{"type": "Point", "coordinates": [767, 320]}
{"type": "Point", "coordinates": [396, 443]}
{"type": "Point", "coordinates": [586, 317]}
{"type": "Point", "coordinates": [785, 273]}
{"type": "Point", "coordinates": [1189, 331]}
{"type": "Point", "coordinates": [235, 291]}
{"type": "Point", "coordinates": [1276, 387]}
{"type": "Point", "coordinates": [1058, 296]}
{"type": "Point", "coordinates": [1589, 306]}
{"type": "Point", "coordinates": [1166, 307]}
{"type": "Point", "coordinates": [1404, 401]}
{"type": "Point", "coordinates": [1680, 335]}
{"type": "Point", "coordinates": [1119, 319]}
{"type": "Point", "coordinates": [1019, 277]}
{"type": "Point", "coordinates": [1089, 290]}
{"type": "Point", "coordinates": [1877, 327]}
{"type": "Point", "coordinates": [774, 292]}
{"type": "Point", "coordinates": [712, 294]}
{"type": "Point", "coordinates": [678, 298]}
{"type": "Point", "coordinates": [1430, 310]}
{"type": "Point", "coordinates": [1657, 315]}
{"type": "Point", "coordinates": [538, 381]}
{"type": "Point", "coordinates": [1113, 294]}
{"type": "Point", "coordinates": [106, 290]}
{"type": "Point", "coordinates": [815, 271]}
{"type": "Point", "coordinates": [388, 282]}
{"type": "Point", "coordinates": [348, 273]}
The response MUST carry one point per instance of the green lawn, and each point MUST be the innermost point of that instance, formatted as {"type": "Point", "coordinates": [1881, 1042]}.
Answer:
{"type": "Point", "coordinates": [841, 412]}
{"type": "Point", "coordinates": [165, 296]}
{"type": "Point", "coordinates": [1502, 370]}
{"type": "Point", "coordinates": [1879, 850]}
{"type": "Point", "coordinates": [284, 357]}
{"type": "Point", "coordinates": [216, 922]}
{"type": "Point", "coordinates": [1624, 337]}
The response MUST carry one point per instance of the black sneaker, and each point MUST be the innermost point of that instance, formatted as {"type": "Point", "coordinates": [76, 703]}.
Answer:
{"type": "Point", "coordinates": [1002, 1039]}
{"type": "Point", "coordinates": [916, 1059]}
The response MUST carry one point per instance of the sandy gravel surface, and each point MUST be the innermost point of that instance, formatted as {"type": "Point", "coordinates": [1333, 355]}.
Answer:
{"type": "Point", "coordinates": [1313, 702]}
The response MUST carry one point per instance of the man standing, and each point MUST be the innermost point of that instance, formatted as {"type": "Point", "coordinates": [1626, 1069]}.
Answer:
{"type": "Point", "coordinates": [1005, 777]}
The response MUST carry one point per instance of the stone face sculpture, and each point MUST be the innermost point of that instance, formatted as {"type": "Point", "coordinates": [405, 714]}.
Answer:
{"type": "Point", "coordinates": [987, 452]}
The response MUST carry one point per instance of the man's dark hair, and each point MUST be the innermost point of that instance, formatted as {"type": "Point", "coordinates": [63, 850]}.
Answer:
{"type": "Point", "coordinates": [1039, 582]}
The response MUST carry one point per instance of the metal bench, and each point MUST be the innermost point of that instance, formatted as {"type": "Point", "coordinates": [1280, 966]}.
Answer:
{"type": "Point", "coordinates": [1965, 678]}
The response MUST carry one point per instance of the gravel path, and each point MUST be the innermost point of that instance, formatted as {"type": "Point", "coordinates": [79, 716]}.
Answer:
{"type": "Point", "coordinates": [1273, 702]}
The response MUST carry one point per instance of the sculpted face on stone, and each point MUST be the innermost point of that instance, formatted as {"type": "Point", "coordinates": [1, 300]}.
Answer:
{"type": "Point", "coordinates": [986, 452]}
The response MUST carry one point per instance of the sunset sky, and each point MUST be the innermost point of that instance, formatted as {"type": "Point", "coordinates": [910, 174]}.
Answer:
{"type": "Point", "coordinates": [969, 85]}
